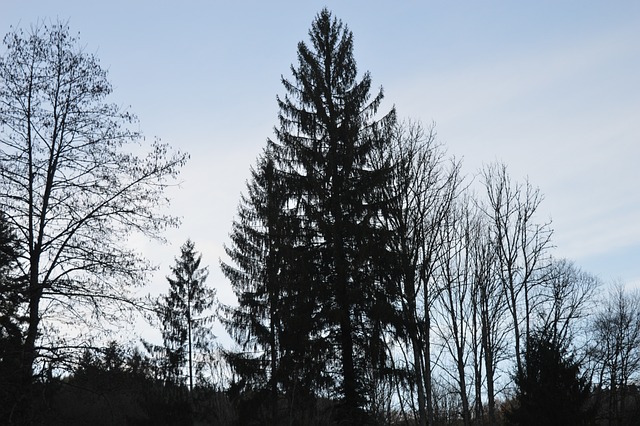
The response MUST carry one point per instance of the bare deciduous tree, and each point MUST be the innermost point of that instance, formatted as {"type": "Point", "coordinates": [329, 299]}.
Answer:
{"type": "Point", "coordinates": [520, 246]}
{"type": "Point", "coordinates": [489, 316]}
{"type": "Point", "coordinates": [423, 188]}
{"type": "Point", "coordinates": [454, 304]}
{"type": "Point", "coordinates": [616, 347]}
{"type": "Point", "coordinates": [71, 185]}
{"type": "Point", "coordinates": [569, 296]}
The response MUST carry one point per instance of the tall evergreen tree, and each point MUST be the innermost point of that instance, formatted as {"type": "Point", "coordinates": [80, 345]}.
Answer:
{"type": "Point", "coordinates": [324, 147]}
{"type": "Point", "coordinates": [308, 248]}
{"type": "Point", "coordinates": [254, 322]}
{"type": "Point", "coordinates": [184, 329]}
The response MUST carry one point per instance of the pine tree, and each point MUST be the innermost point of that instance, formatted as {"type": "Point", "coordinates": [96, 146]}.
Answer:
{"type": "Point", "coordinates": [183, 328]}
{"type": "Point", "coordinates": [327, 138]}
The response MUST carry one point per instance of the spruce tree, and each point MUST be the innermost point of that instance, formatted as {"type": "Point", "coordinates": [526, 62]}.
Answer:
{"type": "Point", "coordinates": [254, 322]}
{"type": "Point", "coordinates": [324, 149]}
{"type": "Point", "coordinates": [272, 321]}
{"type": "Point", "coordinates": [184, 329]}
{"type": "Point", "coordinates": [550, 389]}
{"type": "Point", "coordinates": [309, 253]}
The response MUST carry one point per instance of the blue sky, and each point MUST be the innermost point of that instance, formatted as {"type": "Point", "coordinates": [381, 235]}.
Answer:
{"type": "Point", "coordinates": [551, 88]}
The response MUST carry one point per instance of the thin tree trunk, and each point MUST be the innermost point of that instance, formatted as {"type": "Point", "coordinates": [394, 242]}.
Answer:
{"type": "Point", "coordinates": [458, 340]}
{"type": "Point", "coordinates": [477, 362]}
{"type": "Point", "coordinates": [35, 292]}
{"type": "Point", "coordinates": [189, 337]}
{"type": "Point", "coordinates": [488, 361]}
{"type": "Point", "coordinates": [427, 366]}
{"type": "Point", "coordinates": [416, 345]}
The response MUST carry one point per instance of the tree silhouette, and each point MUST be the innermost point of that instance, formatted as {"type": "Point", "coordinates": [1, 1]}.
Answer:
{"type": "Point", "coordinates": [422, 191]}
{"type": "Point", "coordinates": [615, 349]}
{"type": "Point", "coordinates": [184, 329]}
{"type": "Point", "coordinates": [550, 389]}
{"type": "Point", "coordinates": [309, 246]}
{"type": "Point", "coordinates": [71, 188]}
{"type": "Point", "coordinates": [324, 149]}
{"type": "Point", "coordinates": [521, 246]}
{"type": "Point", "coordinates": [11, 321]}
{"type": "Point", "coordinates": [272, 319]}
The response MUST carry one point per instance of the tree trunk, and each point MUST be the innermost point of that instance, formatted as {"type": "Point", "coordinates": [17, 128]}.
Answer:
{"type": "Point", "coordinates": [427, 366]}
{"type": "Point", "coordinates": [349, 380]}
{"type": "Point", "coordinates": [477, 362]}
{"type": "Point", "coordinates": [488, 362]}
{"type": "Point", "coordinates": [35, 293]}
{"type": "Point", "coordinates": [416, 345]}
{"type": "Point", "coordinates": [189, 338]}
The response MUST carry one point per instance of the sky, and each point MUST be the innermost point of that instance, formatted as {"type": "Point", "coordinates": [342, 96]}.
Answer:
{"type": "Point", "coordinates": [550, 88]}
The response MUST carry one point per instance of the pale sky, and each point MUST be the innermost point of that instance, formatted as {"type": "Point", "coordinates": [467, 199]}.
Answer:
{"type": "Point", "coordinates": [551, 88]}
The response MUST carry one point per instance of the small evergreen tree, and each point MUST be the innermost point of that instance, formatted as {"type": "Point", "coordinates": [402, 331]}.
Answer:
{"type": "Point", "coordinates": [183, 329]}
{"type": "Point", "coordinates": [550, 389]}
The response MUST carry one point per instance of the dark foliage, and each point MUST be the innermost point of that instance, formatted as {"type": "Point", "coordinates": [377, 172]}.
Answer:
{"type": "Point", "coordinates": [185, 330]}
{"type": "Point", "coordinates": [308, 248]}
{"type": "Point", "coordinates": [550, 390]}
{"type": "Point", "coordinates": [12, 390]}
{"type": "Point", "coordinates": [112, 386]}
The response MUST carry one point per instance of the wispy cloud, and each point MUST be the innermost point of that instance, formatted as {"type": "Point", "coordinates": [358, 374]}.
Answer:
{"type": "Point", "coordinates": [565, 115]}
